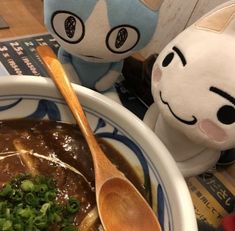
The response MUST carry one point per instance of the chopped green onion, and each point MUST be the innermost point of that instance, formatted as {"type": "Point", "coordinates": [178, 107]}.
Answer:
{"type": "Point", "coordinates": [40, 222]}
{"type": "Point", "coordinates": [16, 195]}
{"type": "Point", "coordinates": [27, 186]}
{"type": "Point", "coordinates": [50, 196]}
{"type": "Point", "coordinates": [18, 227]}
{"type": "Point", "coordinates": [26, 212]}
{"type": "Point", "coordinates": [31, 199]}
{"type": "Point", "coordinates": [42, 188]}
{"type": "Point", "coordinates": [6, 190]}
{"type": "Point", "coordinates": [5, 224]}
{"type": "Point", "coordinates": [44, 208]}
{"type": "Point", "coordinates": [30, 203]}
{"type": "Point", "coordinates": [73, 205]}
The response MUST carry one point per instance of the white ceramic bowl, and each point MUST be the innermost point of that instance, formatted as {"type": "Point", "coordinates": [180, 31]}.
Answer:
{"type": "Point", "coordinates": [37, 97]}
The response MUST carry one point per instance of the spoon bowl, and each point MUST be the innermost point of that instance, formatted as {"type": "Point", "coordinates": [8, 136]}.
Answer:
{"type": "Point", "coordinates": [120, 205]}
{"type": "Point", "coordinates": [114, 200]}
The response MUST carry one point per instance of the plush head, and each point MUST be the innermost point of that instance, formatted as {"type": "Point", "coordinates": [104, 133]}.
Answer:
{"type": "Point", "coordinates": [193, 80]}
{"type": "Point", "coordinates": [102, 30]}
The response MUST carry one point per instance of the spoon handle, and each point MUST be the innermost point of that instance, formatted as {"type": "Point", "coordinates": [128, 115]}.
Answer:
{"type": "Point", "coordinates": [56, 71]}
{"type": "Point", "coordinates": [114, 193]}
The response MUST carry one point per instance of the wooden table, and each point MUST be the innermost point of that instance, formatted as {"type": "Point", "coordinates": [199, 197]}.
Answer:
{"type": "Point", "coordinates": [23, 16]}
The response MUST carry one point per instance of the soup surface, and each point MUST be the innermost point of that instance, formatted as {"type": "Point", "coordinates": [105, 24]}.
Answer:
{"type": "Point", "coordinates": [59, 151]}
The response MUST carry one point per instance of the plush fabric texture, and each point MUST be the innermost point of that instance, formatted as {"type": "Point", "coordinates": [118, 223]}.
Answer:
{"type": "Point", "coordinates": [193, 86]}
{"type": "Point", "coordinates": [96, 35]}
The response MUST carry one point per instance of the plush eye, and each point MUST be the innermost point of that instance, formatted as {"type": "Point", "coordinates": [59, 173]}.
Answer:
{"type": "Point", "coordinates": [68, 26]}
{"type": "Point", "coordinates": [226, 114]}
{"type": "Point", "coordinates": [122, 39]}
{"type": "Point", "coordinates": [167, 60]}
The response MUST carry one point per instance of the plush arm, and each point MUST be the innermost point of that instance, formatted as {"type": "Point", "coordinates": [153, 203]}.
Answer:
{"type": "Point", "coordinates": [71, 73]}
{"type": "Point", "coordinates": [65, 59]}
{"type": "Point", "coordinates": [109, 79]}
{"type": "Point", "coordinates": [150, 117]}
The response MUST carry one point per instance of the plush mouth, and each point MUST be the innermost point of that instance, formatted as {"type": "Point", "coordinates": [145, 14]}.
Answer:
{"type": "Point", "coordinates": [188, 122]}
{"type": "Point", "coordinates": [91, 56]}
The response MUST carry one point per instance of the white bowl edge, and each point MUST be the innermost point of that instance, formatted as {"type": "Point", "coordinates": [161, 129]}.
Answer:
{"type": "Point", "coordinates": [163, 156]}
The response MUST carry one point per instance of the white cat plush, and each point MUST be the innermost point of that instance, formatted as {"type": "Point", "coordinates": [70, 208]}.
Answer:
{"type": "Point", "coordinates": [193, 86]}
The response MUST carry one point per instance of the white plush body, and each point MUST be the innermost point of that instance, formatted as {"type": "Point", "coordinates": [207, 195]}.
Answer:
{"type": "Point", "coordinates": [193, 86]}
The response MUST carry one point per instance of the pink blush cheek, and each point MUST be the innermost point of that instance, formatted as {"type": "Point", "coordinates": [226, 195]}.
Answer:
{"type": "Point", "coordinates": [213, 131]}
{"type": "Point", "coordinates": [157, 74]}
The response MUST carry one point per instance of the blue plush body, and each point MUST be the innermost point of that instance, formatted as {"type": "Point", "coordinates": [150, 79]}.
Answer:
{"type": "Point", "coordinates": [97, 35]}
{"type": "Point", "coordinates": [84, 68]}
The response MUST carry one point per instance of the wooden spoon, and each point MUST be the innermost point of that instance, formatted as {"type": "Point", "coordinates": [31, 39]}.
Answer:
{"type": "Point", "coordinates": [120, 205]}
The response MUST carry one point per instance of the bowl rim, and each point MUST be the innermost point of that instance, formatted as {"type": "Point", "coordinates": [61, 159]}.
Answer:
{"type": "Point", "coordinates": [184, 215]}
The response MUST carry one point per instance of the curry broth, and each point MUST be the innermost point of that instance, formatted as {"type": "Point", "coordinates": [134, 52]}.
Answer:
{"type": "Point", "coordinates": [57, 150]}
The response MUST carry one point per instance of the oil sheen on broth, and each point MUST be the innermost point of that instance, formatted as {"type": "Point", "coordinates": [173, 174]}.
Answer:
{"type": "Point", "coordinates": [57, 150]}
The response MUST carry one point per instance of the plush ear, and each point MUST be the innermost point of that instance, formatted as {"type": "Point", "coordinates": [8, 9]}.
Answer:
{"type": "Point", "coordinates": [217, 20]}
{"type": "Point", "coordinates": [152, 4]}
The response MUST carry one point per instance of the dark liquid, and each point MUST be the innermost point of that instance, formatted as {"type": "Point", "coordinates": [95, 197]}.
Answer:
{"type": "Point", "coordinates": [28, 141]}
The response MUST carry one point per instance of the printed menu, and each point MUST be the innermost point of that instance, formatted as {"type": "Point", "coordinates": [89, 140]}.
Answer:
{"type": "Point", "coordinates": [18, 56]}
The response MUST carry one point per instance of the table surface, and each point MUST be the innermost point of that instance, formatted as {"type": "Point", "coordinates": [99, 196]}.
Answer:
{"type": "Point", "coordinates": [23, 16]}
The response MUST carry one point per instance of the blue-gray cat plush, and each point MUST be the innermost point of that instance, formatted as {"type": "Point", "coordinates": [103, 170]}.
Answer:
{"type": "Point", "coordinates": [95, 36]}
